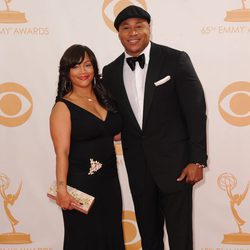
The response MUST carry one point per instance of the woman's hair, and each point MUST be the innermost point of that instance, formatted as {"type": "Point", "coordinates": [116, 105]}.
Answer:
{"type": "Point", "coordinates": [75, 55]}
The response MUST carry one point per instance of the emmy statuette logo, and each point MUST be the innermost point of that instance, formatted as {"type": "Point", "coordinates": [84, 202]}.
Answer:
{"type": "Point", "coordinates": [227, 182]}
{"type": "Point", "coordinates": [239, 15]}
{"type": "Point", "coordinates": [11, 16]}
{"type": "Point", "coordinates": [9, 199]}
{"type": "Point", "coordinates": [237, 18]}
{"type": "Point", "coordinates": [111, 8]}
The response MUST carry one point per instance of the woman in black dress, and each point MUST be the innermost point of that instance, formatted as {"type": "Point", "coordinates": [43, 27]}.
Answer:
{"type": "Point", "coordinates": [83, 124]}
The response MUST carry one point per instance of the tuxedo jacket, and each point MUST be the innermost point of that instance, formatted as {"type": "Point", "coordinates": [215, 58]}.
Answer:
{"type": "Point", "coordinates": [173, 133]}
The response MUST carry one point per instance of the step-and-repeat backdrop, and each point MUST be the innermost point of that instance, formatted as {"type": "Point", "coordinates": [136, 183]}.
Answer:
{"type": "Point", "coordinates": [33, 37]}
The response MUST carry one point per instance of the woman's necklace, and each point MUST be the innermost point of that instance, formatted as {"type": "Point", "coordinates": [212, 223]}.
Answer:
{"type": "Point", "coordinates": [89, 99]}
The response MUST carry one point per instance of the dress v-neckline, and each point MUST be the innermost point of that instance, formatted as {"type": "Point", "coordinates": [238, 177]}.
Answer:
{"type": "Point", "coordinates": [87, 111]}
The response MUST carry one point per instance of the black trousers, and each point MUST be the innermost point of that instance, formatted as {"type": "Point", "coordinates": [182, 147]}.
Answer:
{"type": "Point", "coordinates": [153, 208]}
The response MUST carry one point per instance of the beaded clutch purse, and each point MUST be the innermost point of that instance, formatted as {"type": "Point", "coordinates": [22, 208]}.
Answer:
{"type": "Point", "coordinates": [85, 200]}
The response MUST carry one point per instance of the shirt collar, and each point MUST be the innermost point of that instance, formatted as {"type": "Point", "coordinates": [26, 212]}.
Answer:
{"type": "Point", "coordinates": [145, 51]}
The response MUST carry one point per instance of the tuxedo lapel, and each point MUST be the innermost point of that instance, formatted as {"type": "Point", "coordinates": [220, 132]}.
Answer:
{"type": "Point", "coordinates": [152, 73]}
{"type": "Point", "coordinates": [122, 93]}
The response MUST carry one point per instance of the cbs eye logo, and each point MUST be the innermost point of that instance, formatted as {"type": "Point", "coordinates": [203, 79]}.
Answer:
{"type": "Point", "coordinates": [131, 233]}
{"type": "Point", "coordinates": [15, 104]}
{"type": "Point", "coordinates": [234, 104]}
{"type": "Point", "coordinates": [111, 8]}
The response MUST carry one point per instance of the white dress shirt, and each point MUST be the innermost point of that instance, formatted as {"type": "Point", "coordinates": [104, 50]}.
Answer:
{"type": "Point", "coordinates": [134, 82]}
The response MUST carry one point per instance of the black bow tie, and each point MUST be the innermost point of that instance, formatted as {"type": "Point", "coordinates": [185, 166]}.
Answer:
{"type": "Point", "coordinates": [132, 60]}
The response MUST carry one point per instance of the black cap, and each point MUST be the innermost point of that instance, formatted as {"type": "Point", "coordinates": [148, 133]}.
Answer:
{"type": "Point", "coordinates": [131, 11]}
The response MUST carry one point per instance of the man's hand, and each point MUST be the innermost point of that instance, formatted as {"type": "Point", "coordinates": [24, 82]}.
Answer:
{"type": "Point", "coordinates": [192, 173]}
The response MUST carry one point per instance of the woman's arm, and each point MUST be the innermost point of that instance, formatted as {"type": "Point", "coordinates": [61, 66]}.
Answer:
{"type": "Point", "coordinates": [60, 130]}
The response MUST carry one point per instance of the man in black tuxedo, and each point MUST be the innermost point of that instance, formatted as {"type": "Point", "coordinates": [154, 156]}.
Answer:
{"type": "Point", "coordinates": [162, 105]}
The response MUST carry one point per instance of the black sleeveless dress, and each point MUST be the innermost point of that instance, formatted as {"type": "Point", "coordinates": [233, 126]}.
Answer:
{"type": "Point", "coordinates": [92, 138]}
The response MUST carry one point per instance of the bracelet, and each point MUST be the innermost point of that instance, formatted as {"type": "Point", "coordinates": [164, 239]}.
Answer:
{"type": "Point", "coordinates": [200, 165]}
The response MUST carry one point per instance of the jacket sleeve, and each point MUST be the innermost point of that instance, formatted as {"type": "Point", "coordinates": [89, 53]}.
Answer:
{"type": "Point", "coordinates": [192, 101]}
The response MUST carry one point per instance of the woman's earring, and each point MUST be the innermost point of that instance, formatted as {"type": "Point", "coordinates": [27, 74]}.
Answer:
{"type": "Point", "coordinates": [94, 82]}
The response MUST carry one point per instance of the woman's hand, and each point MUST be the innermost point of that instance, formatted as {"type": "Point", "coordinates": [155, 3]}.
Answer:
{"type": "Point", "coordinates": [65, 200]}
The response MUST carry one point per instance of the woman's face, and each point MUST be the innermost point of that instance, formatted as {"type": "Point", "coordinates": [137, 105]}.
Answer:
{"type": "Point", "coordinates": [81, 75]}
